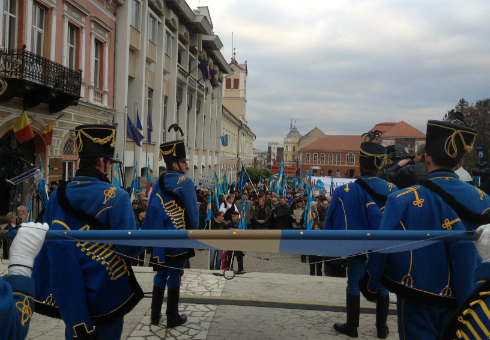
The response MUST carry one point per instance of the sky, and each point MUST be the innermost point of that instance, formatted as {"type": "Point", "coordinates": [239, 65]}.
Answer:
{"type": "Point", "coordinates": [344, 66]}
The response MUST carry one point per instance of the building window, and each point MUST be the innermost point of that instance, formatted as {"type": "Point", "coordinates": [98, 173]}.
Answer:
{"type": "Point", "coordinates": [330, 158]}
{"type": "Point", "coordinates": [351, 158]}
{"type": "Point", "coordinates": [97, 63]}
{"type": "Point", "coordinates": [307, 157]}
{"type": "Point", "coordinates": [236, 83]}
{"type": "Point", "coordinates": [322, 172]}
{"type": "Point", "coordinates": [37, 30]}
{"type": "Point", "coordinates": [228, 83]}
{"type": "Point", "coordinates": [167, 44]}
{"type": "Point", "coordinates": [150, 106]}
{"type": "Point", "coordinates": [179, 58]}
{"type": "Point", "coordinates": [338, 174]}
{"type": "Point", "coordinates": [315, 157]}
{"type": "Point", "coordinates": [135, 13]}
{"type": "Point", "coordinates": [9, 23]}
{"type": "Point", "coordinates": [72, 46]}
{"type": "Point", "coordinates": [339, 158]}
{"type": "Point", "coordinates": [314, 172]}
{"type": "Point", "coordinates": [294, 158]}
{"type": "Point", "coordinates": [152, 30]}
{"type": "Point", "coordinates": [294, 148]}
{"type": "Point", "coordinates": [322, 158]}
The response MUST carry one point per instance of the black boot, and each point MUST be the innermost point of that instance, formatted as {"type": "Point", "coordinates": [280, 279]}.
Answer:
{"type": "Point", "coordinates": [353, 309]}
{"type": "Point", "coordinates": [174, 319]}
{"type": "Point", "coordinates": [156, 304]}
{"type": "Point", "coordinates": [382, 309]}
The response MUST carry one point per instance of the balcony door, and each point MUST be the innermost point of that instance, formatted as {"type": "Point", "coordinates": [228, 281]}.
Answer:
{"type": "Point", "coordinates": [38, 21]}
{"type": "Point", "coordinates": [9, 24]}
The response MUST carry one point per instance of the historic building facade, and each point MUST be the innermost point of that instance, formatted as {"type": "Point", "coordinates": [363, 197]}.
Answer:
{"type": "Point", "coordinates": [291, 146]}
{"type": "Point", "coordinates": [160, 45]}
{"type": "Point", "coordinates": [57, 58]}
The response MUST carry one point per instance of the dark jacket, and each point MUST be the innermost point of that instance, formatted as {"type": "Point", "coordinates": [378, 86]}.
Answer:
{"type": "Point", "coordinates": [404, 177]}
{"type": "Point", "coordinates": [267, 215]}
{"type": "Point", "coordinates": [322, 214]}
{"type": "Point", "coordinates": [217, 226]}
{"type": "Point", "coordinates": [282, 213]}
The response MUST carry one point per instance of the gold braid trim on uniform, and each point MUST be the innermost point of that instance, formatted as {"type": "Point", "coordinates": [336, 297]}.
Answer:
{"type": "Point", "coordinates": [481, 193]}
{"type": "Point", "coordinates": [383, 157]}
{"type": "Point", "coordinates": [78, 145]}
{"type": "Point", "coordinates": [106, 260]}
{"type": "Point", "coordinates": [391, 186]}
{"type": "Point", "coordinates": [25, 307]}
{"type": "Point", "coordinates": [166, 153]}
{"type": "Point", "coordinates": [109, 193]}
{"type": "Point", "coordinates": [451, 142]}
{"type": "Point", "coordinates": [448, 224]}
{"type": "Point", "coordinates": [418, 201]}
{"type": "Point", "coordinates": [174, 212]}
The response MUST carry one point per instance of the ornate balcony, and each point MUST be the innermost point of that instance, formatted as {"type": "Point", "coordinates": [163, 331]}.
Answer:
{"type": "Point", "coordinates": [39, 80]}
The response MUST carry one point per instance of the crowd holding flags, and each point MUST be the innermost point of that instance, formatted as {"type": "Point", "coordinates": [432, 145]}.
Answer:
{"type": "Point", "coordinates": [278, 184]}
{"type": "Point", "coordinates": [243, 179]}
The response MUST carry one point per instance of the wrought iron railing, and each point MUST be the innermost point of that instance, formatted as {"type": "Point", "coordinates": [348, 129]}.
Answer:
{"type": "Point", "coordinates": [182, 71]}
{"type": "Point", "coordinates": [31, 67]}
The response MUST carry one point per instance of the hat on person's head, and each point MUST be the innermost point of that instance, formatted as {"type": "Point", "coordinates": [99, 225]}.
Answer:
{"type": "Point", "coordinates": [235, 212]}
{"type": "Point", "coordinates": [96, 140]}
{"type": "Point", "coordinates": [174, 151]}
{"type": "Point", "coordinates": [449, 141]}
{"type": "Point", "coordinates": [54, 183]}
{"type": "Point", "coordinates": [144, 198]}
{"type": "Point", "coordinates": [134, 202]}
{"type": "Point", "coordinates": [372, 153]}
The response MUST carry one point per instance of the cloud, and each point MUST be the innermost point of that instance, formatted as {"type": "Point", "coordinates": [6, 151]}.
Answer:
{"type": "Point", "coordinates": [344, 66]}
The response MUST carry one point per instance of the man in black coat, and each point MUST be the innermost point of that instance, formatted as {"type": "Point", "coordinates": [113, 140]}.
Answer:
{"type": "Point", "coordinates": [404, 175]}
{"type": "Point", "coordinates": [282, 214]}
{"type": "Point", "coordinates": [235, 216]}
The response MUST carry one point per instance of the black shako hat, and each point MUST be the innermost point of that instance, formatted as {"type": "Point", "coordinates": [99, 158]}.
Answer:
{"type": "Point", "coordinates": [174, 151]}
{"type": "Point", "coordinates": [93, 141]}
{"type": "Point", "coordinates": [372, 153]}
{"type": "Point", "coordinates": [448, 141]}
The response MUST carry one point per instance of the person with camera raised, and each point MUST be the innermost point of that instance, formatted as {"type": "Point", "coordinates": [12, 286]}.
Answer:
{"type": "Point", "coordinates": [405, 173]}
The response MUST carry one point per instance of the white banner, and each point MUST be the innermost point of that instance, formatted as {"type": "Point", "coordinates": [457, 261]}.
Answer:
{"type": "Point", "coordinates": [205, 182]}
{"type": "Point", "coordinates": [327, 182]}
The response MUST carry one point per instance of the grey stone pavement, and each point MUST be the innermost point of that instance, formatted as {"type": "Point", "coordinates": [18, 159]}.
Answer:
{"type": "Point", "coordinates": [224, 311]}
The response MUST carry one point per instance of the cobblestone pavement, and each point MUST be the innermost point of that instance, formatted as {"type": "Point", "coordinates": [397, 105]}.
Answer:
{"type": "Point", "coordinates": [281, 279]}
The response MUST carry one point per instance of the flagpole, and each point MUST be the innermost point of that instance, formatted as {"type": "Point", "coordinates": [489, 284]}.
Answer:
{"type": "Point", "coordinates": [147, 142]}
{"type": "Point", "coordinates": [134, 152]}
{"type": "Point", "coordinates": [253, 186]}
{"type": "Point", "coordinates": [125, 133]}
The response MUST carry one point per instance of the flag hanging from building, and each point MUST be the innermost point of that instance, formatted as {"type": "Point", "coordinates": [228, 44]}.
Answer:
{"type": "Point", "coordinates": [22, 129]}
{"type": "Point", "coordinates": [134, 183]}
{"type": "Point", "coordinates": [133, 133]}
{"type": "Point", "coordinates": [216, 78]}
{"type": "Point", "coordinates": [41, 186]}
{"type": "Point", "coordinates": [204, 67]}
{"type": "Point", "coordinates": [150, 127]}
{"type": "Point", "coordinates": [224, 140]}
{"type": "Point", "coordinates": [149, 185]}
{"type": "Point", "coordinates": [48, 131]}
{"type": "Point", "coordinates": [138, 122]}
{"type": "Point", "coordinates": [212, 73]}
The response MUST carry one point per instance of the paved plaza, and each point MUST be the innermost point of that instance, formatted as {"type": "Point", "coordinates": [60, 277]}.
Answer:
{"type": "Point", "coordinates": [264, 303]}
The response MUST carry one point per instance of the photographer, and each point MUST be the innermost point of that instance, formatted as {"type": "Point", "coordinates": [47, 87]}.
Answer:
{"type": "Point", "coordinates": [404, 174]}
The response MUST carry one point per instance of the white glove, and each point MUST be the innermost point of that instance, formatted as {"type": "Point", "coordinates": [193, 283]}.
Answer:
{"type": "Point", "coordinates": [483, 243]}
{"type": "Point", "coordinates": [25, 247]}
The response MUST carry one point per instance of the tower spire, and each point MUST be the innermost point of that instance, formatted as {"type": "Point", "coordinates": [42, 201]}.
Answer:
{"type": "Point", "coordinates": [291, 126]}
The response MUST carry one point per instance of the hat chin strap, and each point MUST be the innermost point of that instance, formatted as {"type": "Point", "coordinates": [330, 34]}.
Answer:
{"type": "Point", "coordinates": [181, 171]}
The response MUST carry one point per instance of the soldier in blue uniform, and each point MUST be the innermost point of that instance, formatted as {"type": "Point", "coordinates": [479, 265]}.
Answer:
{"type": "Point", "coordinates": [471, 321]}
{"type": "Point", "coordinates": [88, 284]}
{"type": "Point", "coordinates": [17, 287]}
{"type": "Point", "coordinates": [431, 282]}
{"type": "Point", "coordinates": [173, 206]}
{"type": "Point", "coordinates": [359, 206]}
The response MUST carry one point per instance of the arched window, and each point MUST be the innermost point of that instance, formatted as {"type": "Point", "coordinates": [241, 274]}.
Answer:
{"type": "Point", "coordinates": [339, 158]}
{"type": "Point", "coordinates": [315, 157]}
{"type": "Point", "coordinates": [330, 158]}
{"type": "Point", "coordinates": [322, 158]}
{"type": "Point", "coordinates": [351, 158]}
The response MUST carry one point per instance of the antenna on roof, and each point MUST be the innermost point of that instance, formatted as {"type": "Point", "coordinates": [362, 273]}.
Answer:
{"type": "Point", "coordinates": [232, 46]}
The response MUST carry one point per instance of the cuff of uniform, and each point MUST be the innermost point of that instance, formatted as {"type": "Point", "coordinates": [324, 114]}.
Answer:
{"type": "Point", "coordinates": [482, 272]}
{"type": "Point", "coordinates": [20, 284]}
{"type": "Point", "coordinates": [364, 287]}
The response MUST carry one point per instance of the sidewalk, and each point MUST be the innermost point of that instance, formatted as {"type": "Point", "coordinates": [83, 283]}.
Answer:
{"type": "Point", "coordinates": [251, 306]}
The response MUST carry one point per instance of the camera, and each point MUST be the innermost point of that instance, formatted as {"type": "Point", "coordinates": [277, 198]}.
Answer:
{"type": "Point", "coordinates": [482, 169]}
{"type": "Point", "coordinates": [394, 155]}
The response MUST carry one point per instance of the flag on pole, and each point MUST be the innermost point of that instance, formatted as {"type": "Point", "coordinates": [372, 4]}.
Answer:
{"type": "Point", "coordinates": [278, 184]}
{"type": "Point", "coordinates": [224, 140]}
{"type": "Point", "coordinates": [243, 179]}
{"type": "Point", "coordinates": [204, 67]}
{"type": "Point", "coordinates": [133, 133]}
{"type": "Point", "coordinates": [149, 185]}
{"type": "Point", "coordinates": [134, 183]}
{"type": "Point", "coordinates": [215, 194]}
{"type": "Point", "coordinates": [22, 128]}
{"type": "Point", "coordinates": [29, 217]}
{"type": "Point", "coordinates": [242, 222]}
{"type": "Point", "coordinates": [219, 185]}
{"type": "Point", "coordinates": [209, 211]}
{"type": "Point", "coordinates": [212, 74]}
{"type": "Point", "coordinates": [260, 183]}
{"type": "Point", "coordinates": [41, 186]}
{"type": "Point", "coordinates": [138, 122]}
{"type": "Point", "coordinates": [48, 131]}
{"type": "Point", "coordinates": [150, 127]}
{"type": "Point", "coordinates": [117, 182]}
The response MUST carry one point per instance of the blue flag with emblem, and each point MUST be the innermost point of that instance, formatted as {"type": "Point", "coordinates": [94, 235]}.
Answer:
{"type": "Point", "coordinates": [319, 185]}
{"type": "Point", "coordinates": [220, 186]}
{"type": "Point", "coordinates": [243, 179]}
{"type": "Point", "coordinates": [209, 211]}
{"type": "Point", "coordinates": [278, 185]}
{"type": "Point", "coordinates": [242, 223]}
{"type": "Point", "coordinates": [138, 122]}
{"type": "Point", "coordinates": [134, 183]}
{"type": "Point", "coordinates": [133, 133]}
{"type": "Point", "coordinates": [224, 140]}
{"type": "Point", "coordinates": [150, 127]}
{"type": "Point", "coordinates": [308, 220]}
{"type": "Point", "coordinates": [117, 181]}
{"type": "Point", "coordinates": [260, 184]}
{"type": "Point", "coordinates": [215, 194]}
{"type": "Point", "coordinates": [41, 186]}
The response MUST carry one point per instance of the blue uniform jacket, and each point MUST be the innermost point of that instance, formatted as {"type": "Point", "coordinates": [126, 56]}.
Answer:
{"type": "Point", "coordinates": [439, 274]}
{"type": "Point", "coordinates": [87, 284]}
{"type": "Point", "coordinates": [164, 213]}
{"type": "Point", "coordinates": [472, 318]}
{"type": "Point", "coordinates": [353, 208]}
{"type": "Point", "coordinates": [16, 306]}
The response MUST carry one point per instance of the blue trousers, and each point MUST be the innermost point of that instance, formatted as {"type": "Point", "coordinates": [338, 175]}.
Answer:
{"type": "Point", "coordinates": [170, 276]}
{"type": "Point", "coordinates": [420, 322]}
{"type": "Point", "coordinates": [215, 261]}
{"type": "Point", "coordinates": [356, 267]}
{"type": "Point", "coordinates": [110, 331]}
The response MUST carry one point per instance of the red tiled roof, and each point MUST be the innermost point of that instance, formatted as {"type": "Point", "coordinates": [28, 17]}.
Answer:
{"type": "Point", "coordinates": [400, 129]}
{"type": "Point", "coordinates": [337, 143]}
